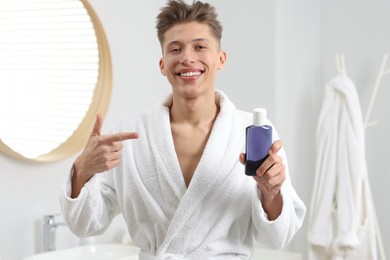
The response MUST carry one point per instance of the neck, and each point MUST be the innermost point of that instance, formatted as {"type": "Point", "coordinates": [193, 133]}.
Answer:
{"type": "Point", "coordinates": [194, 111]}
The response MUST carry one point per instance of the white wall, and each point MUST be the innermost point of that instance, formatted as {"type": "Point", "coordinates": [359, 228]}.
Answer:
{"type": "Point", "coordinates": [280, 54]}
{"type": "Point", "coordinates": [309, 34]}
{"type": "Point", "coordinates": [360, 29]}
{"type": "Point", "coordinates": [298, 71]}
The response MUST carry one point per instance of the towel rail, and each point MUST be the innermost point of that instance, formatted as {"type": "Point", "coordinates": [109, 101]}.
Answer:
{"type": "Point", "coordinates": [341, 69]}
{"type": "Point", "coordinates": [378, 80]}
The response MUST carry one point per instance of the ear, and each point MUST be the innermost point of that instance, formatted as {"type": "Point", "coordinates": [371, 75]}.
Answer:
{"type": "Point", "coordinates": [222, 59]}
{"type": "Point", "coordinates": [162, 66]}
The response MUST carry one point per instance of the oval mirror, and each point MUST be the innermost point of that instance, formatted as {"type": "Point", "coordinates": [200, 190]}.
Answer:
{"type": "Point", "coordinates": [55, 76]}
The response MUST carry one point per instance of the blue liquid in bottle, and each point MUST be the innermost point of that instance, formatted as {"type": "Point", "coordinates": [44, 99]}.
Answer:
{"type": "Point", "coordinates": [258, 141]}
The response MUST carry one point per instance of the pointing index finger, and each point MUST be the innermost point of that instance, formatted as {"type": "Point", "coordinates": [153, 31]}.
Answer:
{"type": "Point", "coordinates": [118, 137]}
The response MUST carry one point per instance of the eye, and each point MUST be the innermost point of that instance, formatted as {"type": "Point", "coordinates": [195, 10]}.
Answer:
{"type": "Point", "coordinates": [200, 47]}
{"type": "Point", "coordinates": [175, 49]}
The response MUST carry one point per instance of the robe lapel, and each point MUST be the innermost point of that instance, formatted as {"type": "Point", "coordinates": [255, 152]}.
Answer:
{"type": "Point", "coordinates": [219, 157]}
{"type": "Point", "coordinates": [170, 178]}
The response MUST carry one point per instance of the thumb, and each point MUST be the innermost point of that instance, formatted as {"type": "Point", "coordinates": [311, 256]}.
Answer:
{"type": "Point", "coordinates": [242, 158]}
{"type": "Point", "coordinates": [98, 125]}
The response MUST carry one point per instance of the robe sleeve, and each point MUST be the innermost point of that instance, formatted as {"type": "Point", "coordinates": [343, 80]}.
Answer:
{"type": "Point", "coordinates": [279, 232]}
{"type": "Point", "coordinates": [93, 210]}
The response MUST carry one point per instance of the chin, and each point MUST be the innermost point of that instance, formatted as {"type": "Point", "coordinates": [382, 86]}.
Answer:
{"type": "Point", "coordinates": [191, 92]}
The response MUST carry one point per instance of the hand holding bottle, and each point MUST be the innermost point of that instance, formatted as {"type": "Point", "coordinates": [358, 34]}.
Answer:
{"type": "Point", "coordinates": [270, 177]}
{"type": "Point", "coordinates": [263, 162]}
{"type": "Point", "coordinates": [271, 173]}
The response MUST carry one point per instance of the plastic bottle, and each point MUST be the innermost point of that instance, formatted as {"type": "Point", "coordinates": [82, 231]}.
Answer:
{"type": "Point", "coordinates": [258, 141]}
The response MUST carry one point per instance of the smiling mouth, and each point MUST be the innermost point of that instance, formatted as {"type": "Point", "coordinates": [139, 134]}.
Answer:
{"type": "Point", "coordinates": [189, 74]}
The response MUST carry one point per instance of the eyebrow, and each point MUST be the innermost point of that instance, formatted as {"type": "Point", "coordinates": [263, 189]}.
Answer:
{"type": "Point", "coordinates": [194, 40]}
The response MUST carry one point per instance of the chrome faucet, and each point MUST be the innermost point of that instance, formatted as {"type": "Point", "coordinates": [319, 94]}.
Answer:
{"type": "Point", "coordinates": [49, 232]}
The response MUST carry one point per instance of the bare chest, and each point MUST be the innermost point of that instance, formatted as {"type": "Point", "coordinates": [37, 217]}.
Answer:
{"type": "Point", "coordinates": [189, 148]}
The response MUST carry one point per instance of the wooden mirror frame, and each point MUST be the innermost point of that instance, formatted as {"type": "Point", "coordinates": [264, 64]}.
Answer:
{"type": "Point", "coordinates": [99, 104]}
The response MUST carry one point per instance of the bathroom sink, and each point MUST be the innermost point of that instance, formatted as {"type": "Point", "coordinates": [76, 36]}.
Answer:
{"type": "Point", "coordinates": [262, 253]}
{"type": "Point", "coordinates": [127, 252]}
{"type": "Point", "coordinates": [95, 252]}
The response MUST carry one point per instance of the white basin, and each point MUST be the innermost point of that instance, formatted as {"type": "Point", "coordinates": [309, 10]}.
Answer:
{"type": "Point", "coordinates": [101, 252]}
{"type": "Point", "coordinates": [128, 252]}
{"type": "Point", "coordinates": [262, 253]}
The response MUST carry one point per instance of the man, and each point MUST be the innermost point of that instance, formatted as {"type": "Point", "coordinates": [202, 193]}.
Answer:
{"type": "Point", "coordinates": [175, 172]}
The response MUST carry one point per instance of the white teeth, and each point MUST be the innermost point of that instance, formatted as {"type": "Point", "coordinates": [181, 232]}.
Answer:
{"type": "Point", "coordinates": [190, 74]}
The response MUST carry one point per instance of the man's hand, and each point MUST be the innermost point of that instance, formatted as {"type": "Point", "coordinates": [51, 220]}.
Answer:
{"type": "Point", "coordinates": [270, 177]}
{"type": "Point", "coordinates": [102, 153]}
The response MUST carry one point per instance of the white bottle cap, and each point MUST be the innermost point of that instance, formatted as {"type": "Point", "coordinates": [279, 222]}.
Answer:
{"type": "Point", "coordinates": [259, 116]}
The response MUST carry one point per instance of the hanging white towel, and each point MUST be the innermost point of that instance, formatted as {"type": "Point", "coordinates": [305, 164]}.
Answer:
{"type": "Point", "coordinates": [341, 223]}
{"type": "Point", "coordinates": [216, 217]}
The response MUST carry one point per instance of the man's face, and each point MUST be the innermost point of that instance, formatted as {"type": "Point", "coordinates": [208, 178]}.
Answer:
{"type": "Point", "coordinates": [191, 58]}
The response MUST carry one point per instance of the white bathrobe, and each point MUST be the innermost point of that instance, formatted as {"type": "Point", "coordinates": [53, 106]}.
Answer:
{"type": "Point", "coordinates": [341, 223]}
{"type": "Point", "coordinates": [216, 217]}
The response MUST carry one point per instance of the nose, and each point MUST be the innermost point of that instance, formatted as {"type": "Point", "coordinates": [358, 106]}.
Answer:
{"type": "Point", "coordinates": [188, 56]}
